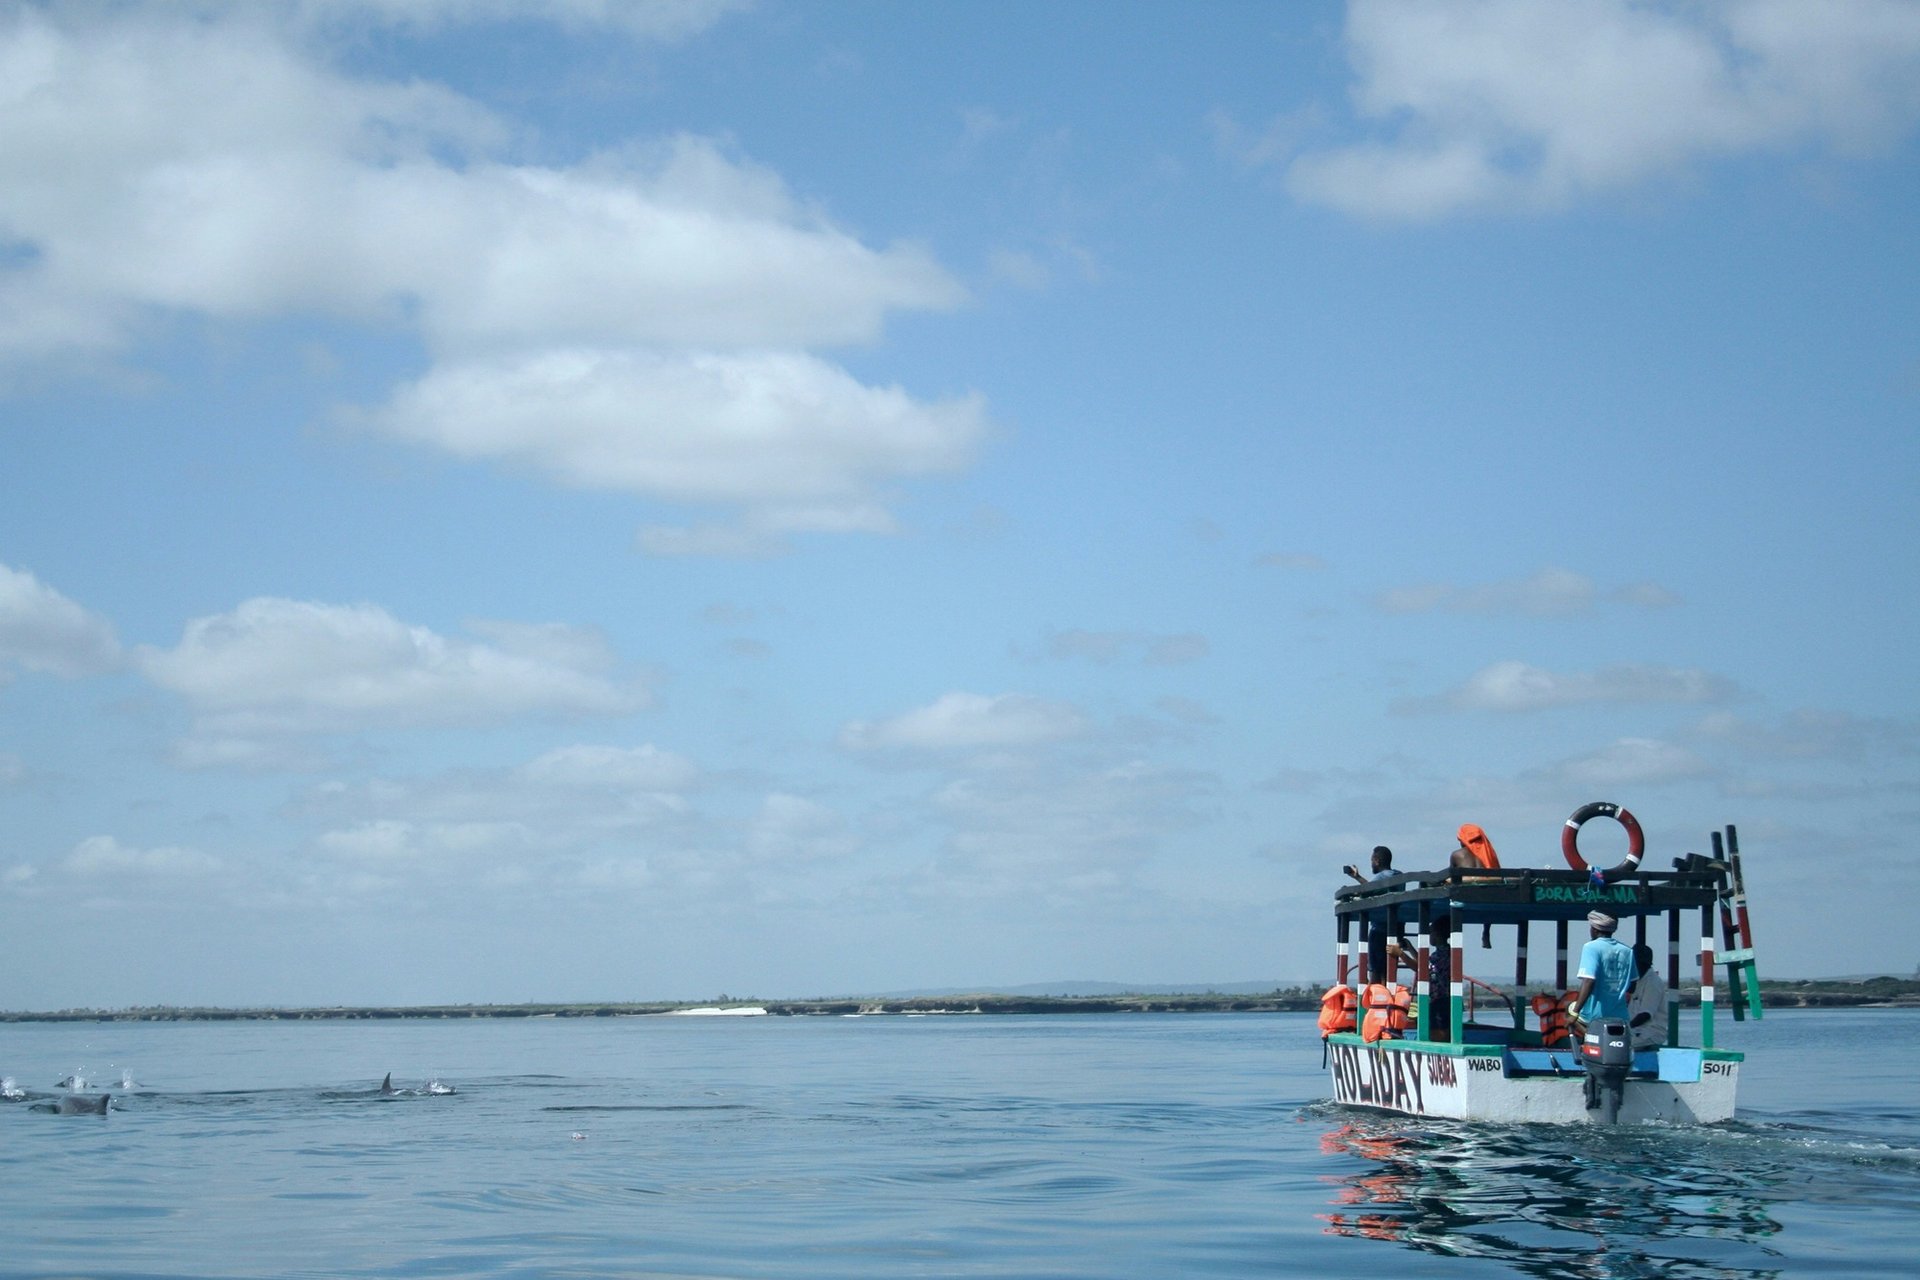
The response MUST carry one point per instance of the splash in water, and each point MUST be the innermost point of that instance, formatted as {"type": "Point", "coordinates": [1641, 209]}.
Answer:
{"type": "Point", "coordinates": [10, 1089]}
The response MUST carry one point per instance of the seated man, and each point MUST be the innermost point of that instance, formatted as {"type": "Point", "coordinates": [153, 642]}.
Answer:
{"type": "Point", "coordinates": [1475, 851]}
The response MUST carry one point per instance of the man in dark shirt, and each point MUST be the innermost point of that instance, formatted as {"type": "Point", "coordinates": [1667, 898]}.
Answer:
{"type": "Point", "coordinates": [1378, 927]}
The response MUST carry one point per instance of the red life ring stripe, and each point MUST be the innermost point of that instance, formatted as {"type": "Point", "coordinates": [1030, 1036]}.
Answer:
{"type": "Point", "coordinates": [1570, 836]}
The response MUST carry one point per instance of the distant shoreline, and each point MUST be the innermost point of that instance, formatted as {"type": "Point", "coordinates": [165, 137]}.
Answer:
{"type": "Point", "coordinates": [1868, 994]}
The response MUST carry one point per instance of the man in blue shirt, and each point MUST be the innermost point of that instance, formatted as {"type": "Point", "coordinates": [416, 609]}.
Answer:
{"type": "Point", "coordinates": [1606, 971]}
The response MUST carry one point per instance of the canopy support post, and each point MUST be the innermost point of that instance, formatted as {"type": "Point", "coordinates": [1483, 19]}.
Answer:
{"type": "Point", "coordinates": [1706, 977]}
{"type": "Point", "coordinates": [1673, 977]}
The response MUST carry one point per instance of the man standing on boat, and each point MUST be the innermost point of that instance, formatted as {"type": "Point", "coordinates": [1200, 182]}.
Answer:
{"type": "Point", "coordinates": [1606, 971]}
{"type": "Point", "coordinates": [1379, 927]}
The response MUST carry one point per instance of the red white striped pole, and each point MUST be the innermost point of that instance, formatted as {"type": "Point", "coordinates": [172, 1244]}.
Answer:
{"type": "Point", "coordinates": [1739, 888]}
{"type": "Point", "coordinates": [1706, 977]}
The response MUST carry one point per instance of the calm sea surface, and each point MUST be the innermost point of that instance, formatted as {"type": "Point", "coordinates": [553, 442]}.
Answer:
{"type": "Point", "coordinates": [1130, 1145]}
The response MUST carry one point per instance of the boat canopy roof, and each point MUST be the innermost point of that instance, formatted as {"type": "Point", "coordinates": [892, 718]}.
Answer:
{"type": "Point", "coordinates": [1510, 895]}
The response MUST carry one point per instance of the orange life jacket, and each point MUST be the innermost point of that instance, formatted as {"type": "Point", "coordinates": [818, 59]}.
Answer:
{"type": "Point", "coordinates": [1555, 1027]}
{"type": "Point", "coordinates": [1479, 846]}
{"type": "Point", "coordinates": [1337, 1009]}
{"type": "Point", "coordinates": [1387, 1005]}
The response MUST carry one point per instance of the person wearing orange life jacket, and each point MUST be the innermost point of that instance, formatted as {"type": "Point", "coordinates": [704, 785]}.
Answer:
{"type": "Point", "coordinates": [1475, 853]}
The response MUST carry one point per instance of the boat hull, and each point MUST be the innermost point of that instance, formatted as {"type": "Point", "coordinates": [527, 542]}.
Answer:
{"type": "Point", "coordinates": [1517, 1086]}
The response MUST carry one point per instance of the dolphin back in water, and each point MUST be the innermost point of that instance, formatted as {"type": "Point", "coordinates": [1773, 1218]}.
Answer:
{"type": "Point", "coordinates": [434, 1088]}
{"type": "Point", "coordinates": [77, 1104]}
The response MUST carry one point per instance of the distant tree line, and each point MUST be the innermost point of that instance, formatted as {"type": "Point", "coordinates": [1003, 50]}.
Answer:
{"type": "Point", "coordinates": [1774, 993]}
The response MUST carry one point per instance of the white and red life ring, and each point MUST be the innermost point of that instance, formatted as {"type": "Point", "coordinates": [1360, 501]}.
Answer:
{"type": "Point", "coordinates": [1570, 836]}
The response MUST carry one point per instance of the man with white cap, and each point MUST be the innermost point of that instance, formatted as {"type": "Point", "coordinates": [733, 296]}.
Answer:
{"type": "Point", "coordinates": [1606, 971]}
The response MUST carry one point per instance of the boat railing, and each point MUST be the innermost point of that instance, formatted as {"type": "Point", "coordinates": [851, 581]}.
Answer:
{"type": "Point", "coordinates": [1542, 892]}
{"type": "Point", "coordinates": [1474, 986]}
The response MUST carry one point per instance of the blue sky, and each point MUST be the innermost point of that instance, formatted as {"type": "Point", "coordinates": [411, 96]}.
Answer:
{"type": "Point", "coordinates": [545, 501]}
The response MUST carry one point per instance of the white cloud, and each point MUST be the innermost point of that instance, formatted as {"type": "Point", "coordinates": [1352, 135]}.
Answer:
{"type": "Point", "coordinates": [627, 769]}
{"type": "Point", "coordinates": [641, 321]}
{"type": "Point", "coordinates": [382, 841]}
{"type": "Point", "coordinates": [1066, 828]}
{"type": "Point", "coordinates": [1274, 143]}
{"type": "Point", "coordinates": [710, 541]}
{"type": "Point", "coordinates": [1293, 561]}
{"type": "Point", "coordinates": [762, 532]}
{"type": "Point", "coordinates": [1516, 686]}
{"type": "Point", "coordinates": [640, 19]}
{"type": "Point", "coordinates": [1175, 651]}
{"type": "Point", "coordinates": [1631, 762]}
{"type": "Point", "coordinates": [565, 797]}
{"type": "Point", "coordinates": [1093, 646]}
{"type": "Point", "coordinates": [674, 244]}
{"type": "Point", "coordinates": [787, 434]}
{"type": "Point", "coordinates": [277, 667]}
{"type": "Point", "coordinates": [106, 856]}
{"type": "Point", "coordinates": [581, 818]}
{"type": "Point", "coordinates": [208, 168]}
{"type": "Point", "coordinates": [1515, 104]}
{"type": "Point", "coordinates": [1186, 711]}
{"type": "Point", "coordinates": [387, 842]}
{"type": "Point", "coordinates": [618, 875]}
{"type": "Point", "coordinates": [1817, 735]}
{"type": "Point", "coordinates": [1552, 592]}
{"type": "Point", "coordinates": [199, 168]}
{"type": "Point", "coordinates": [1020, 269]}
{"type": "Point", "coordinates": [42, 630]}
{"type": "Point", "coordinates": [790, 829]}
{"type": "Point", "coordinates": [968, 720]}
{"type": "Point", "coordinates": [1111, 646]}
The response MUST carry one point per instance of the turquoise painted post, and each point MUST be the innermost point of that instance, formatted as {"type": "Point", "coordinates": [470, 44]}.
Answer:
{"type": "Point", "coordinates": [1457, 986]}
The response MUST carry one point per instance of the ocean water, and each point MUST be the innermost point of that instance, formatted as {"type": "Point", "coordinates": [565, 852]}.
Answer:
{"type": "Point", "coordinates": [1096, 1146]}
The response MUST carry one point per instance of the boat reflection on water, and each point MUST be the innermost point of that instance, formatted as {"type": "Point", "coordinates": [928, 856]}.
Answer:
{"type": "Point", "coordinates": [1552, 1202]}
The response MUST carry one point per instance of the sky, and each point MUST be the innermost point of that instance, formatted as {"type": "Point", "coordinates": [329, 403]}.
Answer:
{"type": "Point", "coordinates": [546, 501]}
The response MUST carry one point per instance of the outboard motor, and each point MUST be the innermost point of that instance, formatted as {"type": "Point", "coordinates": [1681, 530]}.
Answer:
{"type": "Point", "coordinates": [1607, 1054]}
